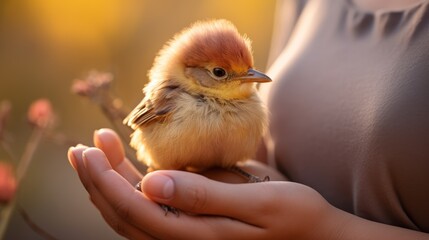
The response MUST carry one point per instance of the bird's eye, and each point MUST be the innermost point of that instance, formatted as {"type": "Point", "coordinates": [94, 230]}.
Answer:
{"type": "Point", "coordinates": [219, 72]}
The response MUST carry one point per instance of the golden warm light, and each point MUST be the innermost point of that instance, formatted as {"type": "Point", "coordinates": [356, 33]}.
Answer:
{"type": "Point", "coordinates": [81, 22]}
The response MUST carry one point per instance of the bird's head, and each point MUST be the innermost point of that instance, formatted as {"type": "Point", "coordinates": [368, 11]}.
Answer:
{"type": "Point", "coordinates": [210, 58]}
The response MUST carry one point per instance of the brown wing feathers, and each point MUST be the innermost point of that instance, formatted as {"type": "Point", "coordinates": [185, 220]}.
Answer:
{"type": "Point", "coordinates": [156, 109]}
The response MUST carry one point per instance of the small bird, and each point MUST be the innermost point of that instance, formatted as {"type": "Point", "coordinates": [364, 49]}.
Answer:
{"type": "Point", "coordinates": [200, 108]}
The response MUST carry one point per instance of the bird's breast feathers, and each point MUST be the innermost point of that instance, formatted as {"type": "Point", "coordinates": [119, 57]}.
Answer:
{"type": "Point", "coordinates": [202, 131]}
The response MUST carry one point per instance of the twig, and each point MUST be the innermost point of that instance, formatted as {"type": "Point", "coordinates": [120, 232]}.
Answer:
{"type": "Point", "coordinates": [96, 87]}
{"type": "Point", "coordinates": [115, 114]}
{"type": "Point", "coordinates": [5, 110]}
{"type": "Point", "coordinates": [8, 150]}
{"type": "Point", "coordinates": [34, 226]}
{"type": "Point", "coordinates": [22, 168]}
{"type": "Point", "coordinates": [6, 215]}
{"type": "Point", "coordinates": [42, 118]}
{"type": "Point", "coordinates": [28, 154]}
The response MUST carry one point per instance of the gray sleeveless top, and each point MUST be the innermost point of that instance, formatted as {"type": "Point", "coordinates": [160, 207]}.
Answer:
{"type": "Point", "coordinates": [350, 107]}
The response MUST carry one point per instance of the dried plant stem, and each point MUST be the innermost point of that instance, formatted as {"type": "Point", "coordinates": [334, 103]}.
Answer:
{"type": "Point", "coordinates": [6, 215]}
{"type": "Point", "coordinates": [96, 87]}
{"type": "Point", "coordinates": [34, 226]}
{"type": "Point", "coordinates": [28, 154]}
{"type": "Point", "coordinates": [23, 165]}
{"type": "Point", "coordinates": [8, 150]}
{"type": "Point", "coordinates": [115, 114]}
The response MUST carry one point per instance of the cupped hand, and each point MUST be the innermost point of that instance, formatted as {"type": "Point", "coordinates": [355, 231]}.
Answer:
{"type": "Point", "coordinates": [210, 209]}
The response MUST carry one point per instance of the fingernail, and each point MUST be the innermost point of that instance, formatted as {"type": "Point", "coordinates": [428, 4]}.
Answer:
{"type": "Point", "coordinates": [99, 132]}
{"type": "Point", "coordinates": [103, 136]}
{"type": "Point", "coordinates": [98, 135]}
{"type": "Point", "coordinates": [96, 159]}
{"type": "Point", "coordinates": [71, 155]}
{"type": "Point", "coordinates": [102, 131]}
{"type": "Point", "coordinates": [158, 185]}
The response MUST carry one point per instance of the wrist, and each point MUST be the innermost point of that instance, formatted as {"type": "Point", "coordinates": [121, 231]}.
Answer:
{"type": "Point", "coordinates": [333, 225]}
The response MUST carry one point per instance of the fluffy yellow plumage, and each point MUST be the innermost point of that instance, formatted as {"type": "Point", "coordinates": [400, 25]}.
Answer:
{"type": "Point", "coordinates": [201, 108]}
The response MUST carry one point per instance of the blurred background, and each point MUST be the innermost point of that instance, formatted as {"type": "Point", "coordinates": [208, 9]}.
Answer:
{"type": "Point", "coordinates": [46, 44]}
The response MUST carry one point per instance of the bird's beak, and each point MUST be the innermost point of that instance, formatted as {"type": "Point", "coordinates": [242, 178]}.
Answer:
{"type": "Point", "coordinates": [254, 76]}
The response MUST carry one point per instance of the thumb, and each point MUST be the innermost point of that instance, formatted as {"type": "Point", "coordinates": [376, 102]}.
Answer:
{"type": "Point", "coordinates": [197, 194]}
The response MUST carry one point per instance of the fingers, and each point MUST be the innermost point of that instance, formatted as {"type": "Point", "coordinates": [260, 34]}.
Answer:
{"type": "Point", "coordinates": [120, 195]}
{"type": "Point", "coordinates": [197, 194]}
{"type": "Point", "coordinates": [123, 228]}
{"type": "Point", "coordinates": [75, 158]}
{"type": "Point", "coordinates": [134, 207]}
{"type": "Point", "coordinates": [110, 178]}
{"type": "Point", "coordinates": [110, 143]}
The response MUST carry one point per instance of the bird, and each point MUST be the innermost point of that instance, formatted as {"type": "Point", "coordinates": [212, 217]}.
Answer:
{"type": "Point", "coordinates": [200, 107]}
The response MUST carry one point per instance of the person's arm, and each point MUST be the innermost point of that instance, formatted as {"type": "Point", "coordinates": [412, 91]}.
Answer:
{"type": "Point", "coordinates": [211, 209]}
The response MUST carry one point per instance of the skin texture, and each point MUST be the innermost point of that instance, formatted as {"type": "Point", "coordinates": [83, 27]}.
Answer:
{"type": "Point", "coordinates": [211, 209]}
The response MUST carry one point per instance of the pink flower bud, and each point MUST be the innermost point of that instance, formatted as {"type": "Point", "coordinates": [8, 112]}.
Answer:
{"type": "Point", "coordinates": [40, 113]}
{"type": "Point", "coordinates": [93, 84]}
{"type": "Point", "coordinates": [7, 183]}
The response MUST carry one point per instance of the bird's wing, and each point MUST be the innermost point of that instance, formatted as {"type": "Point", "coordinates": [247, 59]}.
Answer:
{"type": "Point", "coordinates": [153, 108]}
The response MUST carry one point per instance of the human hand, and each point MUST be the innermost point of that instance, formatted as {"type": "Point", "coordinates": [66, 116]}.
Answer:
{"type": "Point", "coordinates": [215, 209]}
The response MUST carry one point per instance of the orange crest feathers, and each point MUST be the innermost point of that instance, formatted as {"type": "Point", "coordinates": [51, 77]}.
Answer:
{"type": "Point", "coordinates": [215, 42]}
